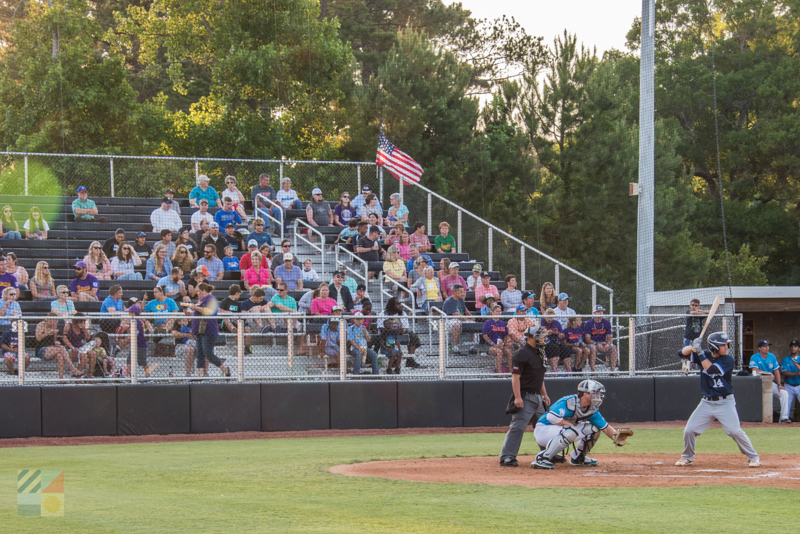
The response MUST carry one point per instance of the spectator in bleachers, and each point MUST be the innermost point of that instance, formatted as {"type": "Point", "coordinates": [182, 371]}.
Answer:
{"type": "Point", "coordinates": [485, 288]}
{"type": "Point", "coordinates": [394, 234]}
{"type": "Point", "coordinates": [140, 247]}
{"type": "Point", "coordinates": [185, 343]}
{"type": "Point", "coordinates": [455, 306]}
{"type": "Point", "coordinates": [235, 195]}
{"type": "Point", "coordinates": [318, 212]}
{"type": "Point", "coordinates": [368, 248]}
{"type": "Point", "coordinates": [488, 300]}
{"type": "Point", "coordinates": [371, 205]}
{"type": "Point", "coordinates": [474, 279]}
{"type": "Point", "coordinates": [309, 274]}
{"type": "Point", "coordinates": [304, 304]}
{"type": "Point", "coordinates": [394, 308]}
{"type": "Point", "coordinates": [256, 305]}
{"type": "Point", "coordinates": [63, 304]}
{"type": "Point", "coordinates": [203, 191]}
{"type": "Point", "coordinates": [288, 272]}
{"type": "Point", "coordinates": [529, 301]}
{"type": "Point", "coordinates": [229, 261]}
{"type": "Point", "coordinates": [36, 227]}
{"type": "Point", "coordinates": [563, 310]}
{"type": "Point", "coordinates": [400, 210]}
{"type": "Point", "coordinates": [404, 246]}
{"type": "Point", "coordinates": [112, 305]}
{"type": "Point", "coordinates": [227, 214]}
{"type": "Point", "coordinates": [112, 244]}
{"type": "Point", "coordinates": [233, 238]}
{"type": "Point", "coordinates": [330, 336]}
{"type": "Point", "coordinates": [161, 304]}
{"type": "Point", "coordinates": [125, 262]}
{"type": "Point", "coordinates": [348, 282]}
{"type": "Point", "coordinates": [373, 222]}
{"type": "Point", "coordinates": [260, 193]}
{"type": "Point", "coordinates": [159, 265]}
{"type": "Point", "coordinates": [358, 339]}
{"type": "Point", "coordinates": [340, 292]}
{"type": "Point", "coordinates": [411, 262]}
{"type": "Point", "coordinates": [451, 279]}
{"type": "Point", "coordinates": [360, 297]}
{"type": "Point", "coordinates": [204, 231]}
{"type": "Point", "coordinates": [9, 307]}
{"type": "Point", "coordinates": [206, 331]}
{"type": "Point", "coordinates": [427, 289]}
{"type": "Point", "coordinates": [50, 347]}
{"type": "Point", "coordinates": [230, 306]}
{"type": "Point", "coordinates": [183, 258]}
{"type": "Point", "coordinates": [288, 199]}
{"type": "Point", "coordinates": [174, 205]}
{"type": "Point", "coordinates": [186, 240]}
{"type": "Point", "coordinates": [42, 286]}
{"type": "Point", "coordinates": [9, 342]}
{"type": "Point", "coordinates": [84, 209]}
{"type": "Point", "coordinates": [395, 268]}
{"type": "Point", "coordinates": [9, 229]}
{"type": "Point", "coordinates": [573, 338]}
{"type": "Point", "coordinates": [259, 235]}
{"type": "Point", "coordinates": [164, 218]}
{"type": "Point", "coordinates": [74, 337]}
{"type": "Point", "coordinates": [84, 286]}
{"type": "Point", "coordinates": [166, 241]}
{"type": "Point", "coordinates": [6, 279]}
{"type": "Point", "coordinates": [197, 277]}
{"type": "Point", "coordinates": [246, 261]}
{"type": "Point", "coordinates": [258, 273]}
{"type": "Point", "coordinates": [215, 240]}
{"type": "Point", "coordinates": [517, 326]}
{"type": "Point", "coordinates": [173, 284]}
{"type": "Point", "coordinates": [361, 200]}
{"type": "Point", "coordinates": [420, 239]}
{"type": "Point", "coordinates": [212, 264]}
{"type": "Point", "coordinates": [549, 297]}
{"type": "Point", "coordinates": [511, 297]}
{"type": "Point", "coordinates": [495, 331]}
{"type": "Point", "coordinates": [16, 270]}
{"type": "Point", "coordinates": [555, 348]}
{"type": "Point", "coordinates": [141, 342]}
{"type": "Point", "coordinates": [323, 305]}
{"type": "Point", "coordinates": [418, 271]}
{"type": "Point", "coordinates": [201, 215]}
{"type": "Point", "coordinates": [444, 269]}
{"type": "Point", "coordinates": [97, 263]}
{"type": "Point", "coordinates": [445, 243]}
{"type": "Point", "coordinates": [344, 211]}
{"type": "Point", "coordinates": [599, 339]}
{"type": "Point", "coordinates": [282, 302]}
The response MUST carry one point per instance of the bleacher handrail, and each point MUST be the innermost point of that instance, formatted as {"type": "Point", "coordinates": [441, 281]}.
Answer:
{"type": "Point", "coordinates": [308, 242]}
{"type": "Point", "coordinates": [280, 224]}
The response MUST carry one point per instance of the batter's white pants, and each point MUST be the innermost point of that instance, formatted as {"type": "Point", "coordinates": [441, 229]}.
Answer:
{"type": "Point", "coordinates": [783, 395]}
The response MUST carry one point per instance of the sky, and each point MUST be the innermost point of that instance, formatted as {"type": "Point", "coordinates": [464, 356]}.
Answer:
{"type": "Point", "coordinates": [603, 24]}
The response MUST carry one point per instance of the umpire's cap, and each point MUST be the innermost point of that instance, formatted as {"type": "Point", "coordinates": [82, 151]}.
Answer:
{"type": "Point", "coordinates": [537, 332]}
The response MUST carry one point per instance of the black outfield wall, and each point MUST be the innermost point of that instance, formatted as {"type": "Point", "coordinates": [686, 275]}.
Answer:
{"type": "Point", "coordinates": [96, 410]}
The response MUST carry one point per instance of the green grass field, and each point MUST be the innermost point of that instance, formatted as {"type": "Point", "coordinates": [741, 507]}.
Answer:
{"type": "Point", "coordinates": [283, 485]}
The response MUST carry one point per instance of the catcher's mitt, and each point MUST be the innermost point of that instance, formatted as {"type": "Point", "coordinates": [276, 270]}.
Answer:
{"type": "Point", "coordinates": [621, 436]}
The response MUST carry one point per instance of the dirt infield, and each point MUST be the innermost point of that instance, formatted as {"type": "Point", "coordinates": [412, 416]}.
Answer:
{"type": "Point", "coordinates": [233, 436]}
{"type": "Point", "coordinates": [614, 470]}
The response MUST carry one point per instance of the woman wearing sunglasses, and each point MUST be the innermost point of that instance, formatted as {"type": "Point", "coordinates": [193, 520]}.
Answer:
{"type": "Point", "coordinates": [42, 286]}
{"type": "Point", "coordinates": [9, 308]}
{"type": "Point", "coordinates": [9, 229]}
{"type": "Point", "coordinates": [97, 263]}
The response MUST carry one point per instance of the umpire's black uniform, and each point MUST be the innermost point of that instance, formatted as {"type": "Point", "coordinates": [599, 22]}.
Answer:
{"type": "Point", "coordinates": [528, 363]}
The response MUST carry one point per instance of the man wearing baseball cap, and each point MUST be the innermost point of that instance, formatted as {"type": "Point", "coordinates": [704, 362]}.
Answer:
{"type": "Point", "coordinates": [84, 286]}
{"type": "Point", "coordinates": [474, 280]}
{"type": "Point", "coordinates": [599, 340]}
{"type": "Point", "coordinates": [485, 288]}
{"type": "Point", "coordinates": [341, 293]}
{"type": "Point", "coordinates": [361, 199]}
{"type": "Point", "coordinates": [173, 205]}
{"type": "Point", "coordinates": [563, 309]}
{"type": "Point", "coordinates": [767, 363]}
{"type": "Point", "coordinates": [289, 273]}
{"type": "Point", "coordinates": [84, 209]}
{"type": "Point", "coordinates": [452, 279]}
{"type": "Point", "coordinates": [140, 246]}
{"type": "Point", "coordinates": [164, 218]}
{"type": "Point", "coordinates": [790, 372]}
{"type": "Point", "coordinates": [318, 212]}
{"type": "Point", "coordinates": [529, 302]}
{"type": "Point", "coordinates": [246, 261]}
{"type": "Point", "coordinates": [215, 240]}
{"type": "Point", "coordinates": [358, 339]}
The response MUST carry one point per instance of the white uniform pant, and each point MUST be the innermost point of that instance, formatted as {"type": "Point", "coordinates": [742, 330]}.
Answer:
{"type": "Point", "coordinates": [544, 433]}
{"type": "Point", "coordinates": [793, 393]}
{"type": "Point", "coordinates": [783, 395]}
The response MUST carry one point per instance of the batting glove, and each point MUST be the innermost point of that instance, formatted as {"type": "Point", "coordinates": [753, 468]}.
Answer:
{"type": "Point", "coordinates": [697, 345]}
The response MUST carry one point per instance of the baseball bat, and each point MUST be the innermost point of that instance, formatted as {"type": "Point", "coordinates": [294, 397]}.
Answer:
{"type": "Point", "coordinates": [711, 313]}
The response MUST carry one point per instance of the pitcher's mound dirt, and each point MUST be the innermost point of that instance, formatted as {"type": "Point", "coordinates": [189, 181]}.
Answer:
{"type": "Point", "coordinates": [614, 470]}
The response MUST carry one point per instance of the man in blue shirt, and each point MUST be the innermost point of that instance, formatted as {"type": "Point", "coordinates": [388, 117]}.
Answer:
{"type": "Point", "coordinates": [766, 362]}
{"type": "Point", "coordinates": [258, 235]}
{"type": "Point", "coordinates": [213, 264]}
{"type": "Point", "coordinates": [260, 194]}
{"type": "Point", "coordinates": [227, 214]}
{"type": "Point", "coordinates": [173, 284]}
{"type": "Point", "coordinates": [717, 402]}
{"type": "Point", "coordinates": [112, 305]}
{"type": "Point", "coordinates": [790, 372]}
{"type": "Point", "coordinates": [455, 306]}
{"type": "Point", "coordinates": [358, 338]}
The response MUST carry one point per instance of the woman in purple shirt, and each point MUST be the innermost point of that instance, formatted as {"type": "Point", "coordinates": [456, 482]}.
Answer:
{"type": "Point", "coordinates": [206, 330]}
{"type": "Point", "coordinates": [344, 210]}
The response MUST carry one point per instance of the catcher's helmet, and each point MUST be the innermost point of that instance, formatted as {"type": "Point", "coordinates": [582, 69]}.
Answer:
{"type": "Point", "coordinates": [537, 332]}
{"type": "Point", "coordinates": [716, 340]}
{"type": "Point", "coordinates": [595, 389]}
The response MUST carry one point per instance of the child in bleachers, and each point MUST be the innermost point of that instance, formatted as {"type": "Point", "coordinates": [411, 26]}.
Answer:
{"type": "Point", "coordinates": [230, 262]}
{"type": "Point", "coordinates": [309, 274]}
{"type": "Point", "coordinates": [394, 235]}
{"type": "Point", "coordinates": [106, 363]}
{"type": "Point", "coordinates": [403, 246]}
{"type": "Point", "coordinates": [445, 243]}
{"type": "Point", "coordinates": [234, 238]}
{"type": "Point", "coordinates": [348, 233]}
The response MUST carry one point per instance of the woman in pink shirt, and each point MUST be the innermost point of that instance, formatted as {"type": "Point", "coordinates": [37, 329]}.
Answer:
{"type": "Point", "coordinates": [97, 264]}
{"type": "Point", "coordinates": [256, 275]}
{"type": "Point", "coordinates": [323, 305]}
{"type": "Point", "coordinates": [402, 246]}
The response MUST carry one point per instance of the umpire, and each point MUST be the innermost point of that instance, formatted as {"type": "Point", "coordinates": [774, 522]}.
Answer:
{"type": "Point", "coordinates": [530, 395]}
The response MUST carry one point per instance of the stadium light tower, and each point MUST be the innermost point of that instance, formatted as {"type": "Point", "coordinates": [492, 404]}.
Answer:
{"type": "Point", "coordinates": [645, 239]}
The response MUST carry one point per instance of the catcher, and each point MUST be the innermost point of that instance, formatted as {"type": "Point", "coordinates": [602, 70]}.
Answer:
{"type": "Point", "coordinates": [575, 419]}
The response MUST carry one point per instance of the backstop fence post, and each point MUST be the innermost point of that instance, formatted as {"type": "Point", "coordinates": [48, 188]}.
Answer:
{"type": "Point", "coordinates": [111, 169]}
{"type": "Point", "coordinates": [240, 349]}
{"type": "Point", "coordinates": [490, 251]}
{"type": "Point", "coordinates": [358, 174]}
{"type": "Point", "coordinates": [557, 280]}
{"type": "Point", "coordinates": [26, 175]}
{"type": "Point", "coordinates": [290, 341]}
{"type": "Point", "coordinates": [21, 351]}
{"type": "Point", "coordinates": [459, 232]}
{"type": "Point", "coordinates": [380, 185]}
{"type": "Point", "coordinates": [134, 348]}
{"type": "Point", "coordinates": [522, 281]}
{"type": "Point", "coordinates": [430, 213]}
{"type": "Point", "coordinates": [632, 346]}
{"type": "Point", "coordinates": [442, 346]}
{"type": "Point", "coordinates": [342, 350]}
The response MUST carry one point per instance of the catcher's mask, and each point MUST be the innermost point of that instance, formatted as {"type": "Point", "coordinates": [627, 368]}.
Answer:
{"type": "Point", "coordinates": [716, 340]}
{"type": "Point", "coordinates": [537, 332]}
{"type": "Point", "coordinates": [595, 389]}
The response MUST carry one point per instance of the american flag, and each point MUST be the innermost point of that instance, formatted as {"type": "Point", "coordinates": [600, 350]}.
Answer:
{"type": "Point", "coordinates": [400, 164]}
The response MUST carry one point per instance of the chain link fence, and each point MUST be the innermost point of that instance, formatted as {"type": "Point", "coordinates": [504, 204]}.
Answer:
{"type": "Point", "coordinates": [173, 347]}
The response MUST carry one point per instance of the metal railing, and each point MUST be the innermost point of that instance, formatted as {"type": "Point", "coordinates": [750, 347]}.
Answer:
{"type": "Point", "coordinates": [320, 249]}
{"type": "Point", "coordinates": [280, 224]}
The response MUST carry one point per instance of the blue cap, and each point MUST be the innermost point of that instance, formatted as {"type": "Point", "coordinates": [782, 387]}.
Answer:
{"type": "Point", "coordinates": [522, 307]}
{"type": "Point", "coordinates": [81, 189]}
{"type": "Point", "coordinates": [563, 296]}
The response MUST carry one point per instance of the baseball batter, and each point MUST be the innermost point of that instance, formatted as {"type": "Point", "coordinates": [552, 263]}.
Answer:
{"type": "Point", "coordinates": [574, 419]}
{"type": "Point", "coordinates": [718, 401]}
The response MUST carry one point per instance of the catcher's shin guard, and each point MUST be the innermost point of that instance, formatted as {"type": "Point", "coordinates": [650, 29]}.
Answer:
{"type": "Point", "coordinates": [589, 434]}
{"type": "Point", "coordinates": [560, 442]}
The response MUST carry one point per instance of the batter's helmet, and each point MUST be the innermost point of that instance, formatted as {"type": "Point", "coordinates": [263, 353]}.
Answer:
{"type": "Point", "coordinates": [595, 389]}
{"type": "Point", "coordinates": [716, 340]}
